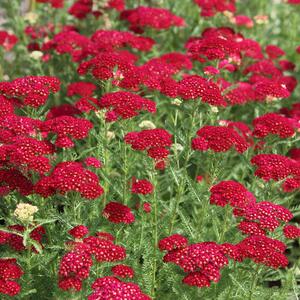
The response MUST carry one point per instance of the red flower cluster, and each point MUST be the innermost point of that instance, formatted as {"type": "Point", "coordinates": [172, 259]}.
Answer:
{"type": "Point", "coordinates": [272, 123]}
{"type": "Point", "coordinates": [141, 186]}
{"type": "Point", "coordinates": [291, 232]}
{"type": "Point", "coordinates": [70, 176]}
{"type": "Point", "coordinates": [12, 179]}
{"type": "Point", "coordinates": [27, 154]}
{"type": "Point", "coordinates": [118, 213]}
{"type": "Point", "coordinates": [15, 241]}
{"type": "Point", "coordinates": [54, 3]}
{"type": "Point", "coordinates": [71, 42]}
{"type": "Point", "coordinates": [157, 18]}
{"type": "Point", "coordinates": [263, 250]}
{"type": "Point", "coordinates": [9, 273]}
{"type": "Point", "coordinates": [109, 40]}
{"type": "Point", "coordinates": [275, 166]}
{"type": "Point", "coordinates": [123, 271]}
{"type": "Point", "coordinates": [194, 87]}
{"type": "Point", "coordinates": [173, 242]}
{"type": "Point", "coordinates": [79, 231]}
{"type": "Point", "coordinates": [266, 215]}
{"type": "Point", "coordinates": [125, 105]}
{"type": "Point", "coordinates": [103, 67]}
{"type": "Point", "coordinates": [7, 41]}
{"type": "Point", "coordinates": [219, 139]}
{"type": "Point", "coordinates": [81, 88]}
{"type": "Point", "coordinates": [67, 128]}
{"type": "Point", "coordinates": [202, 261]}
{"type": "Point", "coordinates": [155, 141]}
{"type": "Point", "coordinates": [75, 265]}
{"type": "Point", "coordinates": [107, 288]}
{"type": "Point", "coordinates": [93, 162]}
{"type": "Point", "coordinates": [30, 90]}
{"type": "Point", "coordinates": [232, 193]}
{"type": "Point", "coordinates": [211, 7]}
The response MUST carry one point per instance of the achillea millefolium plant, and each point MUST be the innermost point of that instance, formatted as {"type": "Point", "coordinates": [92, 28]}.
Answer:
{"type": "Point", "coordinates": [149, 149]}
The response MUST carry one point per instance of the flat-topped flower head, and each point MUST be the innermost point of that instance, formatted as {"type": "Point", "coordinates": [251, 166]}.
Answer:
{"type": "Point", "coordinates": [157, 18]}
{"type": "Point", "coordinates": [118, 213]}
{"type": "Point", "coordinates": [123, 271]}
{"type": "Point", "coordinates": [107, 288]}
{"type": "Point", "coordinates": [10, 271]}
{"type": "Point", "coordinates": [232, 193]}
{"type": "Point", "coordinates": [70, 176]}
{"type": "Point", "coordinates": [267, 214]}
{"type": "Point", "coordinates": [219, 139]}
{"type": "Point", "coordinates": [196, 87]}
{"type": "Point", "coordinates": [30, 90]}
{"type": "Point", "coordinates": [272, 123]}
{"type": "Point", "coordinates": [125, 105]}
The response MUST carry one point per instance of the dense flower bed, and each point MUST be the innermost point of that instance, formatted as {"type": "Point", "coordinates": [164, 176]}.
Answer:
{"type": "Point", "coordinates": [150, 150]}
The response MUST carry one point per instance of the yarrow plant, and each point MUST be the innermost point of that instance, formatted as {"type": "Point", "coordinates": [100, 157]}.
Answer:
{"type": "Point", "coordinates": [149, 149]}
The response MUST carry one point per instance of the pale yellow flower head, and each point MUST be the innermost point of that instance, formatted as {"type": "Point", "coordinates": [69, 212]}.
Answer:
{"type": "Point", "coordinates": [24, 212]}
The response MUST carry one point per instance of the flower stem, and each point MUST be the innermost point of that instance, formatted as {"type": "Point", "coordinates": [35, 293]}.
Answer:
{"type": "Point", "coordinates": [154, 233]}
{"type": "Point", "coordinates": [254, 282]}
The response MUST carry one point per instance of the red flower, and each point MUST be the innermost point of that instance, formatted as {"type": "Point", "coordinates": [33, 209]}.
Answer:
{"type": "Point", "coordinates": [274, 51]}
{"type": "Point", "coordinates": [107, 288]}
{"type": "Point", "coordinates": [264, 250]}
{"type": "Point", "coordinates": [81, 8]}
{"type": "Point", "coordinates": [118, 213]}
{"type": "Point", "coordinates": [74, 268]}
{"type": "Point", "coordinates": [54, 3]}
{"type": "Point", "coordinates": [196, 279]}
{"type": "Point", "coordinates": [211, 7]}
{"type": "Point", "coordinates": [7, 41]}
{"type": "Point", "coordinates": [268, 215]}
{"type": "Point", "coordinates": [12, 179]}
{"type": "Point", "coordinates": [241, 20]}
{"type": "Point", "coordinates": [9, 272]}
{"type": "Point", "coordinates": [219, 139]}
{"type": "Point", "coordinates": [274, 166]}
{"type": "Point", "coordinates": [251, 228]}
{"type": "Point", "coordinates": [28, 154]}
{"type": "Point", "coordinates": [108, 40]}
{"type": "Point", "coordinates": [93, 162]}
{"type": "Point", "coordinates": [104, 65]}
{"type": "Point", "coordinates": [70, 176]}
{"type": "Point", "coordinates": [272, 123]}
{"type": "Point", "coordinates": [125, 105]}
{"type": "Point", "coordinates": [141, 186]}
{"type": "Point", "coordinates": [157, 18]}
{"type": "Point", "coordinates": [147, 207]}
{"type": "Point", "coordinates": [67, 128]}
{"type": "Point", "coordinates": [154, 141]}
{"type": "Point", "coordinates": [104, 249]}
{"type": "Point", "coordinates": [232, 193]}
{"type": "Point", "coordinates": [202, 261]}
{"type": "Point", "coordinates": [83, 89]}
{"type": "Point", "coordinates": [173, 242]}
{"type": "Point", "coordinates": [15, 241]}
{"type": "Point", "coordinates": [195, 87]}
{"type": "Point", "coordinates": [123, 271]}
{"type": "Point", "coordinates": [291, 232]}
{"type": "Point", "coordinates": [79, 231]}
{"type": "Point", "coordinates": [214, 44]}
{"type": "Point", "coordinates": [30, 90]}
{"type": "Point", "coordinates": [62, 110]}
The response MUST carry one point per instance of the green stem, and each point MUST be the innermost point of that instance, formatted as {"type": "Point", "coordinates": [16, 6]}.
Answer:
{"type": "Point", "coordinates": [181, 186]}
{"type": "Point", "coordinates": [254, 282]}
{"type": "Point", "coordinates": [226, 221]}
{"type": "Point", "coordinates": [154, 233]}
